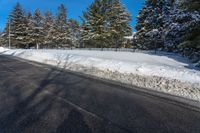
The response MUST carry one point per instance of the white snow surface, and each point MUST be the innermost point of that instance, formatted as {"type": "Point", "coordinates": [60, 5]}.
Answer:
{"type": "Point", "coordinates": [170, 67]}
{"type": "Point", "coordinates": [123, 62]}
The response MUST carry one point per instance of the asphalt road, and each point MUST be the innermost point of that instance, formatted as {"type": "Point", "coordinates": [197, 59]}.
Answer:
{"type": "Point", "coordinates": [42, 99]}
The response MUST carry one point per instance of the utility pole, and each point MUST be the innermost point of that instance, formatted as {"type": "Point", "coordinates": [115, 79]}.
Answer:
{"type": "Point", "coordinates": [9, 34]}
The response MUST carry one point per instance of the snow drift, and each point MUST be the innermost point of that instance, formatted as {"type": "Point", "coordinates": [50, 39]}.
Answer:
{"type": "Point", "coordinates": [166, 73]}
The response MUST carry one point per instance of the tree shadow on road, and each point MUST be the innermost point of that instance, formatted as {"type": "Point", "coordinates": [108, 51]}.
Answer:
{"type": "Point", "coordinates": [24, 113]}
{"type": "Point", "coordinates": [73, 124]}
{"type": "Point", "coordinates": [29, 110]}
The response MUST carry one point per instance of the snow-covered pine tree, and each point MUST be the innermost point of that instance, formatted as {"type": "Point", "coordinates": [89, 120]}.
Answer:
{"type": "Point", "coordinates": [85, 40]}
{"type": "Point", "coordinates": [118, 22]}
{"type": "Point", "coordinates": [150, 25]}
{"type": "Point", "coordinates": [30, 37]}
{"type": "Point", "coordinates": [1, 39]}
{"type": "Point", "coordinates": [105, 23]}
{"type": "Point", "coordinates": [38, 29]}
{"type": "Point", "coordinates": [53, 34]}
{"type": "Point", "coordinates": [75, 29]}
{"type": "Point", "coordinates": [18, 27]}
{"type": "Point", "coordinates": [48, 27]}
{"type": "Point", "coordinates": [189, 21]}
{"type": "Point", "coordinates": [181, 25]}
{"type": "Point", "coordinates": [178, 26]}
{"type": "Point", "coordinates": [5, 35]}
{"type": "Point", "coordinates": [192, 5]}
{"type": "Point", "coordinates": [94, 29]}
{"type": "Point", "coordinates": [61, 28]}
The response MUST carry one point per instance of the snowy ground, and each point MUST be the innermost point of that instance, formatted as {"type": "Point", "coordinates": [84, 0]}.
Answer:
{"type": "Point", "coordinates": [167, 73]}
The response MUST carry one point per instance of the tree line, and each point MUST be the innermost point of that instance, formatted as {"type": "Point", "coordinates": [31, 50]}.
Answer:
{"type": "Point", "coordinates": [104, 24]}
{"type": "Point", "coordinates": [26, 30]}
{"type": "Point", "coordinates": [170, 25]}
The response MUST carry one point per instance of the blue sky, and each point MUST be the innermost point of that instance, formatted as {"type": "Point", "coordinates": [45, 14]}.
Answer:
{"type": "Point", "coordinates": [74, 7]}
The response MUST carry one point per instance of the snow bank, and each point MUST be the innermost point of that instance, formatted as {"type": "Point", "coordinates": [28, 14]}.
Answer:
{"type": "Point", "coordinates": [2, 49]}
{"type": "Point", "coordinates": [166, 73]}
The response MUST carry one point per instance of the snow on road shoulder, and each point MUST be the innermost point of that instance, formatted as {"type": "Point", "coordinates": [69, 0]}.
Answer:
{"type": "Point", "coordinates": [166, 73]}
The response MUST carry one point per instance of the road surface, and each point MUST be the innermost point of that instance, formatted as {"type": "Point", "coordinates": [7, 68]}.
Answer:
{"type": "Point", "coordinates": [37, 98]}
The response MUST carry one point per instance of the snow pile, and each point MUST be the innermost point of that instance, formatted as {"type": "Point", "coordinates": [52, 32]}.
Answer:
{"type": "Point", "coordinates": [166, 73]}
{"type": "Point", "coordinates": [2, 49]}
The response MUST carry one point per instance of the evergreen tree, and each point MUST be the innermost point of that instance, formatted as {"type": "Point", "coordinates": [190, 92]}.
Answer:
{"type": "Point", "coordinates": [118, 19]}
{"type": "Point", "coordinates": [150, 25]}
{"type": "Point", "coordinates": [18, 24]}
{"type": "Point", "coordinates": [95, 30]}
{"type": "Point", "coordinates": [5, 35]}
{"type": "Point", "coordinates": [175, 23]}
{"type": "Point", "coordinates": [105, 23]}
{"type": "Point", "coordinates": [85, 39]}
{"type": "Point", "coordinates": [61, 28]}
{"type": "Point", "coordinates": [1, 39]}
{"type": "Point", "coordinates": [75, 29]}
{"type": "Point", "coordinates": [48, 27]}
{"type": "Point", "coordinates": [180, 25]}
{"type": "Point", "coordinates": [30, 37]}
{"type": "Point", "coordinates": [190, 43]}
{"type": "Point", "coordinates": [192, 5]}
{"type": "Point", "coordinates": [38, 30]}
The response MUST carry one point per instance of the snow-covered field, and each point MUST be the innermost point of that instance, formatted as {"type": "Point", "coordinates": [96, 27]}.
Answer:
{"type": "Point", "coordinates": [167, 73]}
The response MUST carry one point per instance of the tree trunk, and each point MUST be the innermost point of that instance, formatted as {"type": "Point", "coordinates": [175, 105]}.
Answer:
{"type": "Point", "coordinates": [37, 46]}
